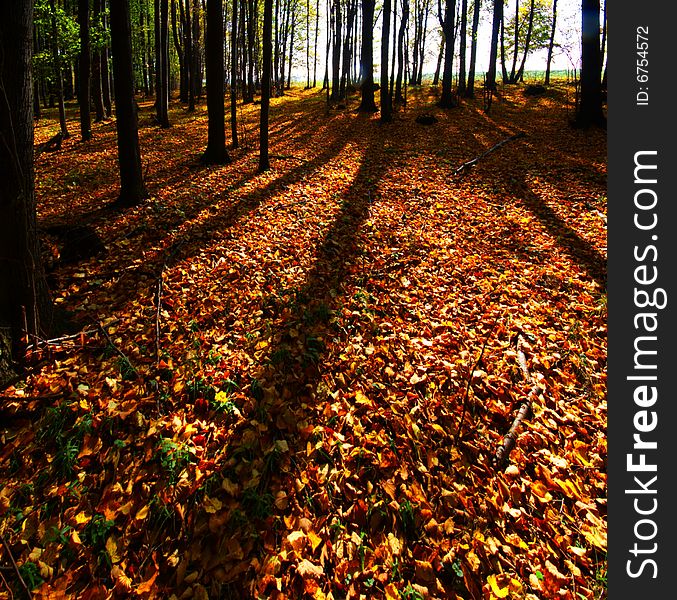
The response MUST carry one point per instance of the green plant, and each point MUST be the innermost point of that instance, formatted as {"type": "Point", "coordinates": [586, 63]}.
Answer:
{"type": "Point", "coordinates": [257, 505]}
{"type": "Point", "coordinates": [96, 533]}
{"type": "Point", "coordinates": [173, 458]}
{"type": "Point", "coordinates": [410, 593]}
{"type": "Point", "coordinates": [408, 519]}
{"type": "Point", "coordinates": [30, 573]}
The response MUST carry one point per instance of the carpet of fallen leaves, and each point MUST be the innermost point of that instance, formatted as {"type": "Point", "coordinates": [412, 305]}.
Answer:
{"type": "Point", "coordinates": [294, 384]}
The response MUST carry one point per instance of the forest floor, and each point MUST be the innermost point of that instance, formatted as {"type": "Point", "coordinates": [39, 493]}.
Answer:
{"type": "Point", "coordinates": [295, 384]}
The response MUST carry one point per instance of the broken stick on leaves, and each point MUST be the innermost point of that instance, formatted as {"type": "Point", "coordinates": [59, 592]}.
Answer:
{"type": "Point", "coordinates": [503, 453]}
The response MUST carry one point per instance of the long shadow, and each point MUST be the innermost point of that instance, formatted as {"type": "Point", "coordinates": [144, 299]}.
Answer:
{"type": "Point", "coordinates": [580, 250]}
{"type": "Point", "coordinates": [197, 235]}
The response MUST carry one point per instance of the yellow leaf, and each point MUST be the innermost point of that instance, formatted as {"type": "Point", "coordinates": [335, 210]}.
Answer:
{"type": "Point", "coordinates": [212, 504]}
{"type": "Point", "coordinates": [143, 513]}
{"type": "Point", "coordinates": [112, 548]}
{"type": "Point", "coordinates": [315, 540]}
{"type": "Point", "coordinates": [500, 592]}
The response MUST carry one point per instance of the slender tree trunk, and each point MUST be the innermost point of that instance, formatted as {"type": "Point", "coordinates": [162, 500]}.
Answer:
{"type": "Point", "coordinates": [291, 49]}
{"type": "Point", "coordinates": [190, 60]}
{"type": "Point", "coordinates": [56, 56]}
{"type": "Point", "coordinates": [251, 38]}
{"type": "Point", "coordinates": [183, 92]}
{"type": "Point", "coordinates": [493, 53]}
{"type": "Point", "coordinates": [264, 160]}
{"type": "Point", "coordinates": [470, 87]}
{"type": "Point", "coordinates": [447, 99]}
{"type": "Point", "coordinates": [440, 55]}
{"type": "Point", "coordinates": [97, 90]}
{"type": "Point", "coordinates": [527, 42]}
{"type": "Point", "coordinates": [551, 43]}
{"type": "Point", "coordinates": [307, 44]}
{"type": "Point", "coordinates": [317, 31]}
{"type": "Point", "coordinates": [386, 107]}
{"type": "Point", "coordinates": [132, 188]}
{"type": "Point", "coordinates": [590, 105]}
{"type": "Point", "coordinates": [164, 49]}
{"type": "Point", "coordinates": [233, 76]}
{"type": "Point", "coordinates": [336, 55]}
{"type": "Point", "coordinates": [513, 72]}
{"type": "Point", "coordinates": [216, 152]}
{"type": "Point", "coordinates": [401, 52]}
{"type": "Point", "coordinates": [23, 289]}
{"type": "Point", "coordinates": [462, 48]}
{"type": "Point", "coordinates": [84, 68]}
{"type": "Point", "coordinates": [368, 103]}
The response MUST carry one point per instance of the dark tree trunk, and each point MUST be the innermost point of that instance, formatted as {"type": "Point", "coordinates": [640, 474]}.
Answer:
{"type": "Point", "coordinates": [513, 69]}
{"type": "Point", "coordinates": [190, 59]}
{"type": "Point", "coordinates": [264, 161]}
{"type": "Point", "coordinates": [401, 52]}
{"type": "Point", "coordinates": [233, 75]}
{"type": "Point", "coordinates": [251, 39]}
{"type": "Point", "coordinates": [23, 289]}
{"type": "Point", "coordinates": [527, 42]}
{"type": "Point", "coordinates": [470, 87]}
{"type": "Point", "coordinates": [164, 47]}
{"type": "Point", "coordinates": [56, 56]}
{"type": "Point", "coordinates": [551, 43]}
{"type": "Point", "coordinates": [317, 31]}
{"type": "Point", "coordinates": [440, 55]}
{"type": "Point", "coordinates": [336, 54]}
{"type": "Point", "coordinates": [447, 98]}
{"type": "Point", "coordinates": [386, 106]}
{"type": "Point", "coordinates": [345, 69]}
{"type": "Point", "coordinates": [97, 89]}
{"type": "Point", "coordinates": [590, 105]}
{"type": "Point", "coordinates": [183, 92]}
{"type": "Point", "coordinates": [85, 70]}
{"type": "Point", "coordinates": [462, 47]}
{"type": "Point", "coordinates": [216, 153]}
{"type": "Point", "coordinates": [493, 54]}
{"type": "Point", "coordinates": [291, 47]}
{"type": "Point", "coordinates": [132, 188]}
{"type": "Point", "coordinates": [368, 103]}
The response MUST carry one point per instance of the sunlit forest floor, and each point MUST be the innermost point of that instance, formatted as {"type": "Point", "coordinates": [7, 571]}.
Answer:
{"type": "Point", "coordinates": [295, 384]}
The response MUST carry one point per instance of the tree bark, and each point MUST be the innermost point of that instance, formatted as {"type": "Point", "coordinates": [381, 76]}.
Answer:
{"type": "Point", "coordinates": [23, 289]}
{"type": "Point", "coordinates": [401, 52]}
{"type": "Point", "coordinates": [462, 47]}
{"type": "Point", "coordinates": [132, 188]}
{"type": "Point", "coordinates": [386, 106]}
{"type": "Point", "coordinates": [493, 54]}
{"type": "Point", "coordinates": [590, 105]}
{"type": "Point", "coordinates": [367, 103]}
{"type": "Point", "coordinates": [551, 43]}
{"type": "Point", "coordinates": [216, 153]}
{"type": "Point", "coordinates": [447, 99]}
{"type": "Point", "coordinates": [470, 86]}
{"type": "Point", "coordinates": [264, 160]}
{"type": "Point", "coordinates": [56, 56]}
{"type": "Point", "coordinates": [85, 70]}
{"type": "Point", "coordinates": [233, 76]}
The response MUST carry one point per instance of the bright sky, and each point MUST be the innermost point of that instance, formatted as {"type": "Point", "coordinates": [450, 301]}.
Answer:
{"type": "Point", "coordinates": [567, 35]}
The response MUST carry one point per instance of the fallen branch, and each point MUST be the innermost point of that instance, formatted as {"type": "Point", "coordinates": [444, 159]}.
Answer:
{"type": "Point", "coordinates": [474, 161]}
{"type": "Point", "coordinates": [119, 352]}
{"type": "Point", "coordinates": [158, 309]}
{"type": "Point", "coordinates": [56, 341]}
{"type": "Point", "coordinates": [16, 567]}
{"type": "Point", "coordinates": [510, 438]}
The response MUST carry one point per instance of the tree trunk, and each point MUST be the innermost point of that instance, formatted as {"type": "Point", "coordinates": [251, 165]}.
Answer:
{"type": "Point", "coordinates": [447, 99]}
{"type": "Point", "coordinates": [401, 52]}
{"type": "Point", "coordinates": [264, 161]}
{"type": "Point", "coordinates": [216, 153]}
{"type": "Point", "coordinates": [386, 107]}
{"type": "Point", "coordinates": [56, 56]}
{"type": "Point", "coordinates": [470, 86]}
{"type": "Point", "coordinates": [493, 54]}
{"type": "Point", "coordinates": [513, 71]}
{"type": "Point", "coordinates": [368, 103]}
{"type": "Point", "coordinates": [551, 43]}
{"type": "Point", "coordinates": [590, 105]}
{"type": "Point", "coordinates": [164, 48]}
{"type": "Point", "coordinates": [440, 55]}
{"type": "Point", "coordinates": [527, 42]}
{"type": "Point", "coordinates": [97, 90]}
{"type": "Point", "coordinates": [233, 75]}
{"type": "Point", "coordinates": [84, 68]}
{"type": "Point", "coordinates": [132, 188]}
{"type": "Point", "coordinates": [336, 55]}
{"type": "Point", "coordinates": [462, 47]}
{"type": "Point", "coordinates": [183, 92]}
{"type": "Point", "coordinates": [190, 61]}
{"type": "Point", "coordinates": [23, 289]}
{"type": "Point", "coordinates": [317, 31]}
